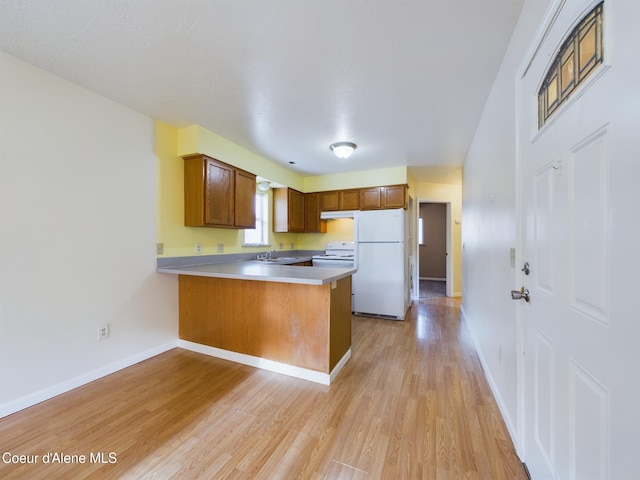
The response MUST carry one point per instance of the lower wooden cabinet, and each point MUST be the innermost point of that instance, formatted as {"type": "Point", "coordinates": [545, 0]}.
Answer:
{"type": "Point", "coordinates": [307, 326]}
{"type": "Point", "coordinates": [308, 263]}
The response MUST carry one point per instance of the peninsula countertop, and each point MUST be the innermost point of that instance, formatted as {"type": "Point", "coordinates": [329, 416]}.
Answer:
{"type": "Point", "coordinates": [262, 271]}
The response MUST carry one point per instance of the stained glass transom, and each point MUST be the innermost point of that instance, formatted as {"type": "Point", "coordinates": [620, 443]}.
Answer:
{"type": "Point", "coordinates": [578, 57]}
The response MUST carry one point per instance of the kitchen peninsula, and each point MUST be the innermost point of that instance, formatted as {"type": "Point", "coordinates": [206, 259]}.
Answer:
{"type": "Point", "coordinates": [291, 319]}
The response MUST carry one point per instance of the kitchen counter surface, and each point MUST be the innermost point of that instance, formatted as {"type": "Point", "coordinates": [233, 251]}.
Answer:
{"type": "Point", "coordinates": [263, 271]}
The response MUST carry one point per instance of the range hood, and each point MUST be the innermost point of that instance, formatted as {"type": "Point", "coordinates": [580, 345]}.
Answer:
{"type": "Point", "coordinates": [338, 214]}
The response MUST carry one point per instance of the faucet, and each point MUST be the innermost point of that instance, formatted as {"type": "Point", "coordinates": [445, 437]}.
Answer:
{"type": "Point", "coordinates": [266, 256]}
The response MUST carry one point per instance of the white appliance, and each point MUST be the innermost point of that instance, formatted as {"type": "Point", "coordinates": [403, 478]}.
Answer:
{"type": "Point", "coordinates": [338, 214]}
{"type": "Point", "coordinates": [381, 285]}
{"type": "Point", "coordinates": [337, 254]}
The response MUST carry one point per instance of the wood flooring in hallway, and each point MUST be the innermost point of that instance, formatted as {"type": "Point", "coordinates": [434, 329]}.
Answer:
{"type": "Point", "coordinates": [411, 403]}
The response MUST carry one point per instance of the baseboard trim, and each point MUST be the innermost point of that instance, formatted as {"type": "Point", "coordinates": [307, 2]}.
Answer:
{"type": "Point", "coordinates": [75, 382]}
{"type": "Point", "coordinates": [492, 384]}
{"type": "Point", "coordinates": [270, 365]}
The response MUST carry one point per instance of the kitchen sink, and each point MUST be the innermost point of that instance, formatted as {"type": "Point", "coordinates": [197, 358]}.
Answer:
{"type": "Point", "coordinates": [280, 260]}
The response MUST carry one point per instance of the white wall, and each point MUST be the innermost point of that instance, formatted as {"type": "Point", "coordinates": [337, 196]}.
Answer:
{"type": "Point", "coordinates": [489, 223]}
{"type": "Point", "coordinates": [77, 241]}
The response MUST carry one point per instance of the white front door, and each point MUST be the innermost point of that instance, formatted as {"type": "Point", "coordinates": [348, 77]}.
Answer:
{"type": "Point", "coordinates": [581, 236]}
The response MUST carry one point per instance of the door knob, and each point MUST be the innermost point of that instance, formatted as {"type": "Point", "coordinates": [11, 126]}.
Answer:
{"type": "Point", "coordinates": [522, 294]}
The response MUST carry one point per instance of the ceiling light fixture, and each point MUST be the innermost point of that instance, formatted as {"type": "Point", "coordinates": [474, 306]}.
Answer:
{"type": "Point", "coordinates": [264, 185]}
{"type": "Point", "coordinates": [343, 149]}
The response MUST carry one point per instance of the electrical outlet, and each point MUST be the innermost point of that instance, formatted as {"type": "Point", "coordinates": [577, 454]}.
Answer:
{"type": "Point", "coordinates": [103, 332]}
{"type": "Point", "coordinates": [159, 248]}
{"type": "Point", "coordinates": [220, 247]}
{"type": "Point", "coordinates": [198, 248]}
{"type": "Point", "coordinates": [281, 246]}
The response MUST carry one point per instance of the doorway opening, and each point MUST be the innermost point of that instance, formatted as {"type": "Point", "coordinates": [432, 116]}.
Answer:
{"type": "Point", "coordinates": [432, 249]}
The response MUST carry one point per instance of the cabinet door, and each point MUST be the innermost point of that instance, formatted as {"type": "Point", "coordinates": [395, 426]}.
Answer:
{"type": "Point", "coordinates": [245, 200]}
{"type": "Point", "coordinates": [370, 198]}
{"type": "Point", "coordinates": [329, 201]}
{"type": "Point", "coordinates": [350, 200]}
{"type": "Point", "coordinates": [312, 222]}
{"type": "Point", "coordinates": [288, 210]}
{"type": "Point", "coordinates": [194, 174]}
{"type": "Point", "coordinates": [219, 194]}
{"type": "Point", "coordinates": [394, 196]}
{"type": "Point", "coordinates": [296, 211]}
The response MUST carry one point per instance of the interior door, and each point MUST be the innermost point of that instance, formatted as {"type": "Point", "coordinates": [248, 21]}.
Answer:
{"type": "Point", "coordinates": [581, 237]}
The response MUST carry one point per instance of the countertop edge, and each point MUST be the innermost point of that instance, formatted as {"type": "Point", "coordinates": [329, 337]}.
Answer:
{"type": "Point", "coordinates": [267, 273]}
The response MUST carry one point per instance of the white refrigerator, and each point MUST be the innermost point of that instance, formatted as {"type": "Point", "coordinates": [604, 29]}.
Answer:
{"type": "Point", "coordinates": [381, 284]}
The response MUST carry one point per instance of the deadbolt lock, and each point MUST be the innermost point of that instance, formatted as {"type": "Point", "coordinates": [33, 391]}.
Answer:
{"type": "Point", "coordinates": [522, 294]}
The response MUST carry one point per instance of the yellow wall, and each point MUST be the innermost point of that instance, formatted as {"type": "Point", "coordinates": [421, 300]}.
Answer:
{"type": "Point", "coordinates": [364, 178]}
{"type": "Point", "coordinates": [173, 143]}
{"type": "Point", "coordinates": [338, 230]}
{"type": "Point", "coordinates": [179, 240]}
{"type": "Point", "coordinates": [439, 192]}
{"type": "Point", "coordinates": [195, 139]}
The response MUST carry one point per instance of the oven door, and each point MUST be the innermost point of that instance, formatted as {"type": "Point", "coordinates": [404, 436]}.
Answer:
{"type": "Point", "coordinates": [333, 262]}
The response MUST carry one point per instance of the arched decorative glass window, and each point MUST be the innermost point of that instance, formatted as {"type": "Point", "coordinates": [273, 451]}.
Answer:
{"type": "Point", "coordinates": [578, 57]}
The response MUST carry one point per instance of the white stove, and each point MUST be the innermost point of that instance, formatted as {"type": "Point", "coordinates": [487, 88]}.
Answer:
{"type": "Point", "coordinates": [337, 254]}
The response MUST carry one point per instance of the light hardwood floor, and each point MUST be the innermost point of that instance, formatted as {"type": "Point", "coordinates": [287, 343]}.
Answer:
{"type": "Point", "coordinates": [412, 403]}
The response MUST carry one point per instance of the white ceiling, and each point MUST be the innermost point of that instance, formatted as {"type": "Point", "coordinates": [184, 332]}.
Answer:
{"type": "Point", "coordinates": [405, 80]}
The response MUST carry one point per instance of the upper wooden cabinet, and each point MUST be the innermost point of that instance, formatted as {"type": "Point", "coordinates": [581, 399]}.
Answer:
{"type": "Point", "coordinates": [217, 194]}
{"type": "Point", "coordinates": [329, 201]}
{"type": "Point", "coordinates": [312, 222]}
{"type": "Point", "coordinates": [288, 210]}
{"type": "Point", "coordinates": [371, 198]}
{"type": "Point", "coordinates": [350, 199]}
{"type": "Point", "coordinates": [245, 200]}
{"type": "Point", "coordinates": [340, 200]}
{"type": "Point", "coordinates": [393, 196]}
